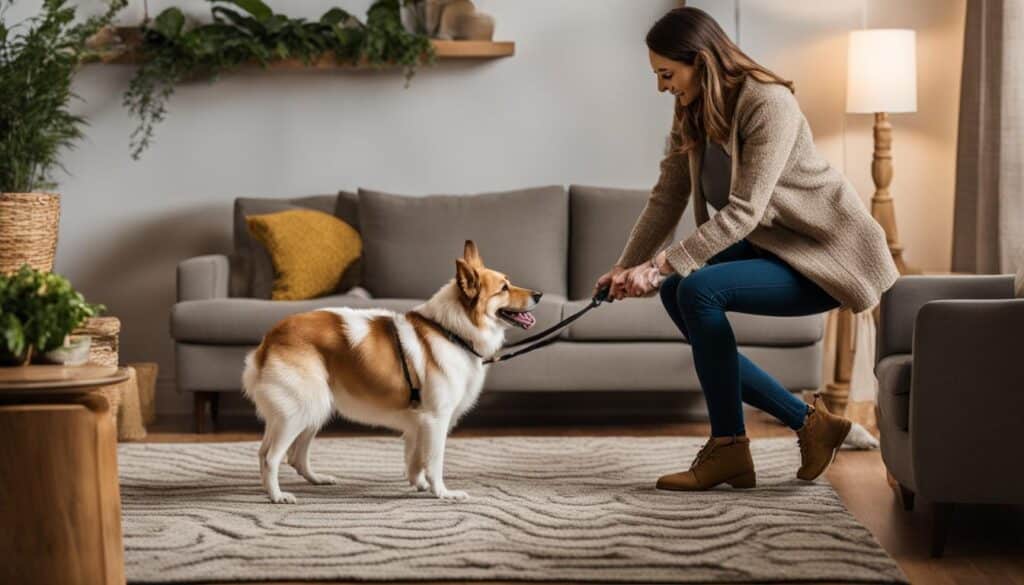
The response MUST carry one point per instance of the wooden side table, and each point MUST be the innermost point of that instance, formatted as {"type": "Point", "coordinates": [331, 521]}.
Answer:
{"type": "Point", "coordinates": [60, 503]}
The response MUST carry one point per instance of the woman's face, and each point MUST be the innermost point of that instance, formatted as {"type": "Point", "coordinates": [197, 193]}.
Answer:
{"type": "Point", "coordinates": [676, 77]}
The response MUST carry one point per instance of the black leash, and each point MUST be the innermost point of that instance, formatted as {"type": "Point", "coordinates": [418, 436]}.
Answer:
{"type": "Point", "coordinates": [414, 398]}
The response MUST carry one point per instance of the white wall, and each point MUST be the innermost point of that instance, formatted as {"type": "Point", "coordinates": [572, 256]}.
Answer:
{"type": "Point", "coordinates": [577, 103]}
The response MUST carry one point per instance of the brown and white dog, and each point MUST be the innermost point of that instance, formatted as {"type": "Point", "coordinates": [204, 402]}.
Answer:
{"type": "Point", "coordinates": [345, 360]}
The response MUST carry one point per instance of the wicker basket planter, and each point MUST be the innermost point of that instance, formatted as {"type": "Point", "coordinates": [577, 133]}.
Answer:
{"type": "Point", "coordinates": [103, 351]}
{"type": "Point", "coordinates": [28, 230]}
{"type": "Point", "coordinates": [104, 332]}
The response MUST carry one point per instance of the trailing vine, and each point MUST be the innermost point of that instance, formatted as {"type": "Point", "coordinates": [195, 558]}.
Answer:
{"type": "Point", "coordinates": [171, 52]}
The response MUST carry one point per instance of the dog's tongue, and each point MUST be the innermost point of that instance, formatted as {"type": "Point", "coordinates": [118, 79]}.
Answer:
{"type": "Point", "coordinates": [526, 319]}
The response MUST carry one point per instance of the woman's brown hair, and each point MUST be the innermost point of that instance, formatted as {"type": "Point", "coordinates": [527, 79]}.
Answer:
{"type": "Point", "coordinates": [691, 36]}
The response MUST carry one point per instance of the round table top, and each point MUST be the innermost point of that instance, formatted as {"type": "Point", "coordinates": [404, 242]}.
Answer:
{"type": "Point", "coordinates": [59, 379]}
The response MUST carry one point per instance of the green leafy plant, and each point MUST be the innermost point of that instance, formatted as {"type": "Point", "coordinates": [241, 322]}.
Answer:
{"type": "Point", "coordinates": [39, 309]}
{"type": "Point", "coordinates": [37, 67]}
{"type": "Point", "coordinates": [171, 52]}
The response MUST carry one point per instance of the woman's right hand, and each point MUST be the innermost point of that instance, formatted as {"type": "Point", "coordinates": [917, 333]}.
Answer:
{"type": "Point", "coordinates": [615, 279]}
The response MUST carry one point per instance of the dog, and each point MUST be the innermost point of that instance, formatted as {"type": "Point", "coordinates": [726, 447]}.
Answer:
{"type": "Point", "coordinates": [312, 365]}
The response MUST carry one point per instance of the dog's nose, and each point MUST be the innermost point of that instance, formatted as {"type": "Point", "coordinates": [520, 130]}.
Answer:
{"type": "Point", "coordinates": [537, 295]}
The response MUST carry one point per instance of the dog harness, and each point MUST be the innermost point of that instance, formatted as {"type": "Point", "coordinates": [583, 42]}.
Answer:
{"type": "Point", "coordinates": [414, 391]}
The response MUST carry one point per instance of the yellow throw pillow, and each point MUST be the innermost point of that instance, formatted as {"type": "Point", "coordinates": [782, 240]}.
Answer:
{"type": "Point", "coordinates": [310, 251]}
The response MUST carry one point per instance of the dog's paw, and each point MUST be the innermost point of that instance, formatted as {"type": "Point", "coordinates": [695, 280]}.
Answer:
{"type": "Point", "coordinates": [420, 482]}
{"type": "Point", "coordinates": [283, 498]}
{"type": "Point", "coordinates": [860, 438]}
{"type": "Point", "coordinates": [321, 479]}
{"type": "Point", "coordinates": [452, 495]}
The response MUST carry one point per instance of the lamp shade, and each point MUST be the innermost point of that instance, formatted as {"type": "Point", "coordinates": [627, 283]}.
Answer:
{"type": "Point", "coordinates": [881, 71]}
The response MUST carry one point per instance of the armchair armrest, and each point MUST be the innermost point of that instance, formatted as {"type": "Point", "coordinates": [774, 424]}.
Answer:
{"type": "Point", "coordinates": [900, 304]}
{"type": "Point", "coordinates": [203, 277]}
{"type": "Point", "coordinates": [967, 400]}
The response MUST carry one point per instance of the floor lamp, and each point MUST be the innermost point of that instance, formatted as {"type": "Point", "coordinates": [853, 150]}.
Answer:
{"type": "Point", "coordinates": [881, 79]}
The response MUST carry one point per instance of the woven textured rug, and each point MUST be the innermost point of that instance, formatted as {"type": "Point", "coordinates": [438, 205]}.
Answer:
{"type": "Point", "coordinates": [540, 508]}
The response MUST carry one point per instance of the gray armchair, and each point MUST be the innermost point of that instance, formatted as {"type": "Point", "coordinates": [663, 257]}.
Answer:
{"type": "Point", "coordinates": [948, 358]}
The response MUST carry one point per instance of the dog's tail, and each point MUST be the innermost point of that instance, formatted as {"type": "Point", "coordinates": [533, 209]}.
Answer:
{"type": "Point", "coordinates": [254, 361]}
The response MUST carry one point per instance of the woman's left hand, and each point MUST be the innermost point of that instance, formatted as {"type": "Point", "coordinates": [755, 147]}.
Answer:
{"type": "Point", "coordinates": [644, 281]}
{"type": "Point", "coordinates": [661, 263]}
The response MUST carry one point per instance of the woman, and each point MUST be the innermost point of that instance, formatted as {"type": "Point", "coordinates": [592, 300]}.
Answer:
{"type": "Point", "coordinates": [790, 237]}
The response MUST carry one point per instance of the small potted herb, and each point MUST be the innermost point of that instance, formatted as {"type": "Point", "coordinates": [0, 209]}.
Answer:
{"type": "Point", "coordinates": [38, 311]}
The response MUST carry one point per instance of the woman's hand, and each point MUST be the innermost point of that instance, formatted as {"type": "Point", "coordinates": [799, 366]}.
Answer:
{"type": "Point", "coordinates": [644, 281]}
{"type": "Point", "coordinates": [661, 262]}
{"type": "Point", "coordinates": [607, 279]}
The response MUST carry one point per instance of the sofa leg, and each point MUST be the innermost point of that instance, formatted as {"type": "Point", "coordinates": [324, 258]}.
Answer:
{"type": "Point", "coordinates": [199, 409]}
{"type": "Point", "coordinates": [907, 497]}
{"type": "Point", "coordinates": [941, 515]}
{"type": "Point", "coordinates": [214, 406]}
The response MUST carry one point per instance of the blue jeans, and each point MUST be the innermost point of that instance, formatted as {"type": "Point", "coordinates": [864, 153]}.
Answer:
{"type": "Point", "coordinates": [743, 279]}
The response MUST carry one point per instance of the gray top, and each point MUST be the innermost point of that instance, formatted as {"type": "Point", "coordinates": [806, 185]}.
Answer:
{"type": "Point", "coordinates": [716, 174]}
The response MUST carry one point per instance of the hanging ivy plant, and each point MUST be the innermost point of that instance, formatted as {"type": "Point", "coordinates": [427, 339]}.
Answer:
{"type": "Point", "coordinates": [172, 52]}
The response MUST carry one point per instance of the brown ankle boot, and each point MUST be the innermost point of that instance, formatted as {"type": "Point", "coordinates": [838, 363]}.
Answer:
{"type": "Point", "coordinates": [715, 463]}
{"type": "Point", "coordinates": [819, 439]}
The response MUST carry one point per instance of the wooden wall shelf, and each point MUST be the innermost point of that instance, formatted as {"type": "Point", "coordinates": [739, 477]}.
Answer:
{"type": "Point", "coordinates": [444, 50]}
{"type": "Point", "coordinates": [474, 49]}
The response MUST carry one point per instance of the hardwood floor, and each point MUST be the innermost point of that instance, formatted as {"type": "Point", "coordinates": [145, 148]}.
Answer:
{"type": "Point", "coordinates": [986, 543]}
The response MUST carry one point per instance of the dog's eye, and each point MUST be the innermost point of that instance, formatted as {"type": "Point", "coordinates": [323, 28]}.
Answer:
{"type": "Point", "coordinates": [504, 288]}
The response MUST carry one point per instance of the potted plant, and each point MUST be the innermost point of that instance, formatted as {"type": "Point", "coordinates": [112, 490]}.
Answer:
{"type": "Point", "coordinates": [37, 312]}
{"type": "Point", "coordinates": [37, 66]}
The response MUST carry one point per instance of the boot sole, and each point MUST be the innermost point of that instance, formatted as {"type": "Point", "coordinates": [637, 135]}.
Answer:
{"type": "Point", "coordinates": [835, 452]}
{"type": "Point", "coordinates": [743, 481]}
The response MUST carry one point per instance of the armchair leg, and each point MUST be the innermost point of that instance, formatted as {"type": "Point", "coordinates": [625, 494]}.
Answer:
{"type": "Point", "coordinates": [942, 513]}
{"type": "Point", "coordinates": [907, 497]}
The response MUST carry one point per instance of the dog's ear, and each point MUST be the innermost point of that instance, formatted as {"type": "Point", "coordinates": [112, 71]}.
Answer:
{"type": "Point", "coordinates": [467, 278]}
{"type": "Point", "coordinates": [472, 254]}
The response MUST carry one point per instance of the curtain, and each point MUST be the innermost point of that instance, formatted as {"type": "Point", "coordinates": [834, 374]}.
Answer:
{"type": "Point", "coordinates": [988, 221]}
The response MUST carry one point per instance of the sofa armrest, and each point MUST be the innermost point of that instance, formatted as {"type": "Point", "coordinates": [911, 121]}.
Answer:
{"type": "Point", "coordinates": [967, 400]}
{"type": "Point", "coordinates": [203, 277]}
{"type": "Point", "coordinates": [899, 305]}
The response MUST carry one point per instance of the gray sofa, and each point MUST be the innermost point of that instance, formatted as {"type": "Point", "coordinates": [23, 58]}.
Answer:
{"type": "Point", "coordinates": [950, 397]}
{"type": "Point", "coordinates": [552, 239]}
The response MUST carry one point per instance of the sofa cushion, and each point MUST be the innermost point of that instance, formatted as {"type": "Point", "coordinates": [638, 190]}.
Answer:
{"type": "Point", "coordinates": [252, 271]}
{"type": "Point", "coordinates": [646, 319]}
{"type": "Point", "coordinates": [601, 220]}
{"type": "Point", "coordinates": [893, 373]}
{"type": "Point", "coordinates": [245, 321]}
{"type": "Point", "coordinates": [410, 243]}
{"type": "Point", "coordinates": [641, 365]}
